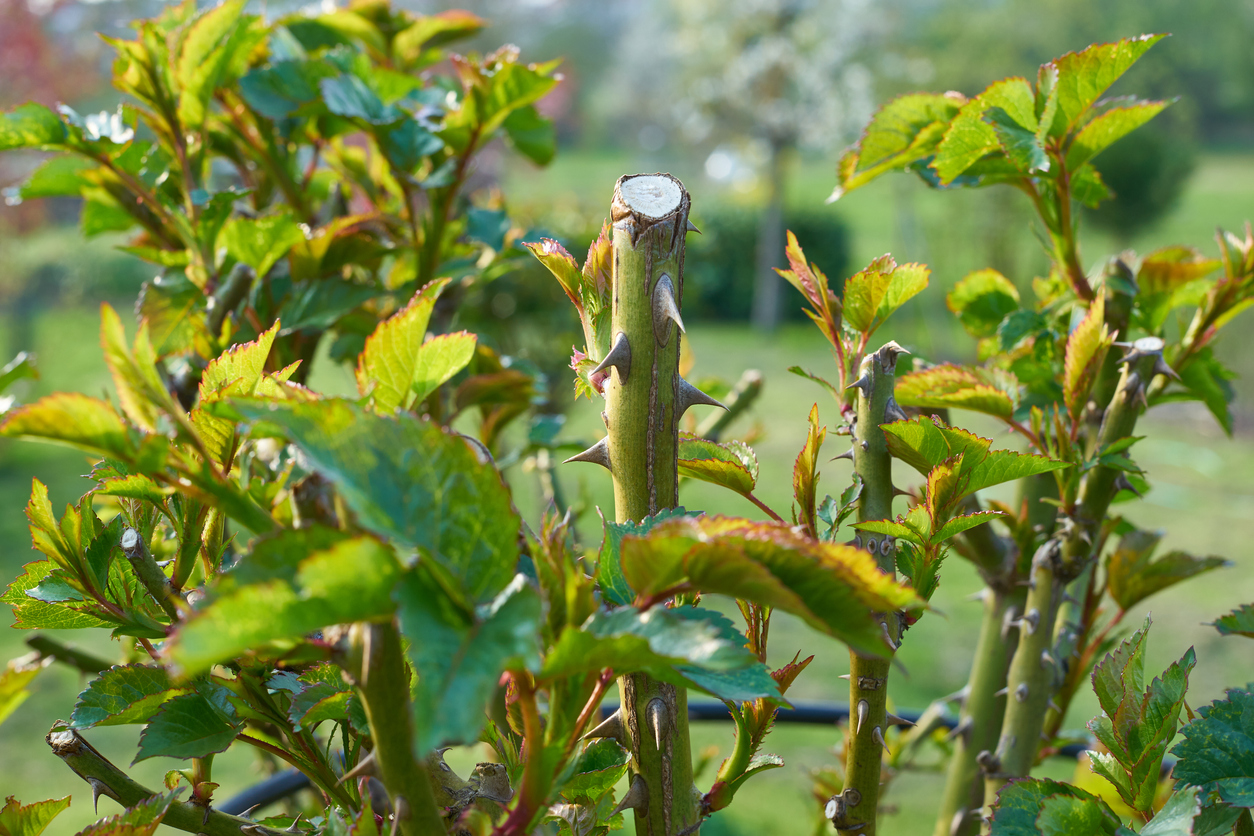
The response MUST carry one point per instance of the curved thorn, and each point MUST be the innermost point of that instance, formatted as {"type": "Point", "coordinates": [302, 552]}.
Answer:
{"type": "Point", "coordinates": [598, 453]}
{"type": "Point", "coordinates": [863, 383]}
{"type": "Point", "coordinates": [611, 727]}
{"type": "Point", "coordinates": [894, 720]}
{"type": "Point", "coordinates": [844, 676]}
{"type": "Point", "coordinates": [665, 310]}
{"type": "Point", "coordinates": [888, 637]}
{"type": "Point", "coordinates": [1161, 366]}
{"type": "Point", "coordinates": [848, 454]}
{"type": "Point", "coordinates": [248, 813]}
{"type": "Point", "coordinates": [1047, 661]}
{"type": "Point", "coordinates": [978, 596]}
{"type": "Point", "coordinates": [1053, 705]}
{"type": "Point", "coordinates": [893, 412]}
{"type": "Point", "coordinates": [1003, 692]}
{"type": "Point", "coordinates": [292, 827]}
{"type": "Point", "coordinates": [689, 395]}
{"type": "Point", "coordinates": [863, 708]}
{"type": "Point", "coordinates": [619, 357]}
{"type": "Point", "coordinates": [692, 227]}
{"type": "Point", "coordinates": [636, 797]}
{"type": "Point", "coordinates": [879, 738]}
{"type": "Point", "coordinates": [98, 788]}
{"type": "Point", "coordinates": [658, 721]}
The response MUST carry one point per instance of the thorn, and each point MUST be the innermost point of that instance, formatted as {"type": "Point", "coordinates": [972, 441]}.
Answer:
{"type": "Point", "coordinates": [960, 730]}
{"type": "Point", "coordinates": [863, 708]}
{"type": "Point", "coordinates": [848, 454]}
{"type": "Point", "coordinates": [1047, 661]}
{"type": "Point", "coordinates": [611, 727]}
{"type": "Point", "coordinates": [844, 676]}
{"type": "Point", "coordinates": [291, 828]}
{"type": "Point", "coordinates": [248, 813]}
{"type": "Point", "coordinates": [636, 797]}
{"type": "Point", "coordinates": [692, 227]}
{"type": "Point", "coordinates": [252, 829]}
{"type": "Point", "coordinates": [978, 596]}
{"type": "Point", "coordinates": [665, 310]}
{"type": "Point", "coordinates": [1031, 620]}
{"type": "Point", "coordinates": [888, 638]}
{"type": "Point", "coordinates": [598, 453]}
{"type": "Point", "coordinates": [899, 492]}
{"type": "Point", "coordinates": [878, 736]}
{"type": "Point", "coordinates": [893, 412]}
{"type": "Point", "coordinates": [1122, 483]}
{"type": "Point", "coordinates": [98, 788]}
{"type": "Point", "coordinates": [955, 825]}
{"type": "Point", "coordinates": [619, 357]}
{"type": "Point", "coordinates": [1161, 366]}
{"type": "Point", "coordinates": [658, 721]}
{"type": "Point", "coordinates": [866, 446]}
{"type": "Point", "coordinates": [1021, 693]}
{"type": "Point", "coordinates": [1003, 692]}
{"type": "Point", "coordinates": [1053, 705]}
{"type": "Point", "coordinates": [959, 696]}
{"type": "Point", "coordinates": [205, 818]}
{"type": "Point", "coordinates": [894, 720]}
{"type": "Point", "coordinates": [689, 395]}
{"type": "Point", "coordinates": [863, 383]}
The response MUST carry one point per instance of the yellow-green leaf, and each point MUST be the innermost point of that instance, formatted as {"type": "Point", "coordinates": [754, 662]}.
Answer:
{"type": "Point", "coordinates": [731, 464]}
{"type": "Point", "coordinates": [1086, 351]}
{"type": "Point", "coordinates": [439, 359]}
{"type": "Point", "coordinates": [208, 50]}
{"type": "Point", "coordinates": [982, 299]}
{"type": "Point", "coordinates": [17, 819]}
{"type": "Point", "coordinates": [1107, 129]}
{"type": "Point", "coordinates": [958, 387]}
{"type": "Point", "coordinates": [73, 419]}
{"type": "Point", "coordinates": [385, 369]}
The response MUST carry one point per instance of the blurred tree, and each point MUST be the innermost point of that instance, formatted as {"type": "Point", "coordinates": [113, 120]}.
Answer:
{"type": "Point", "coordinates": [777, 75]}
{"type": "Point", "coordinates": [1207, 61]}
{"type": "Point", "coordinates": [1147, 170]}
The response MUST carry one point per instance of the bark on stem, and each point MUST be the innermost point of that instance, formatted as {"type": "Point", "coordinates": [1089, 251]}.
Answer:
{"type": "Point", "coordinates": [854, 810]}
{"type": "Point", "coordinates": [1034, 675]}
{"type": "Point", "coordinates": [645, 397]}
{"type": "Point", "coordinates": [106, 779]}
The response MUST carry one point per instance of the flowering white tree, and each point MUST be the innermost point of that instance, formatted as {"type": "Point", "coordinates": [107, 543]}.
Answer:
{"type": "Point", "coordinates": [777, 74]}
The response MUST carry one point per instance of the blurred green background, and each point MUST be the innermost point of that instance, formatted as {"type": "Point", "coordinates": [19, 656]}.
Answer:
{"type": "Point", "coordinates": [679, 87]}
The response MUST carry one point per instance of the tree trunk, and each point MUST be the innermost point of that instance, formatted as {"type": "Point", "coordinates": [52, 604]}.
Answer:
{"type": "Point", "coordinates": [770, 252]}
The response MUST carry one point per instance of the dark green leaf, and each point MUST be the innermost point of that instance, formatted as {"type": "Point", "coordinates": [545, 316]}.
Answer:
{"type": "Point", "coordinates": [534, 136]}
{"type": "Point", "coordinates": [321, 303]}
{"type": "Point", "coordinates": [191, 725]}
{"type": "Point", "coordinates": [599, 767]}
{"type": "Point", "coordinates": [1209, 381]}
{"type": "Point", "coordinates": [407, 144]}
{"type": "Point", "coordinates": [30, 614]}
{"type": "Point", "coordinates": [1239, 622]}
{"type": "Point", "coordinates": [487, 226]}
{"type": "Point", "coordinates": [1068, 815]}
{"type": "Point", "coordinates": [614, 587]}
{"type": "Point", "coordinates": [459, 655]}
{"type": "Point", "coordinates": [278, 90]}
{"type": "Point", "coordinates": [1020, 803]}
{"type": "Point", "coordinates": [411, 480]}
{"type": "Point", "coordinates": [349, 96]}
{"type": "Point", "coordinates": [1217, 752]}
{"type": "Point", "coordinates": [123, 694]}
{"type": "Point", "coordinates": [1132, 576]}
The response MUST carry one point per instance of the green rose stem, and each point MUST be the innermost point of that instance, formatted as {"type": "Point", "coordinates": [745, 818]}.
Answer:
{"type": "Point", "coordinates": [1034, 673]}
{"type": "Point", "coordinates": [107, 779]}
{"type": "Point", "coordinates": [645, 398]}
{"type": "Point", "coordinates": [854, 810]}
{"type": "Point", "coordinates": [384, 684]}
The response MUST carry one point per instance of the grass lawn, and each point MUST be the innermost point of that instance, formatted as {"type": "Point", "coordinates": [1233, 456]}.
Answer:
{"type": "Point", "coordinates": [1203, 492]}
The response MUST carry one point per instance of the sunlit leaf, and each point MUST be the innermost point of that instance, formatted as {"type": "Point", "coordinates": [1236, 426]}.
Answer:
{"type": "Point", "coordinates": [30, 126]}
{"type": "Point", "coordinates": [1131, 575]}
{"type": "Point", "coordinates": [729, 464]}
{"type": "Point", "coordinates": [1108, 128]}
{"type": "Point", "coordinates": [1082, 77]}
{"type": "Point", "coordinates": [1086, 351]}
{"type": "Point", "coordinates": [387, 367]}
{"type": "Point", "coordinates": [905, 130]}
{"type": "Point", "coordinates": [123, 694]}
{"type": "Point", "coordinates": [982, 300]}
{"type": "Point", "coordinates": [17, 819]}
{"type": "Point", "coordinates": [260, 242]}
{"type": "Point", "coordinates": [958, 387]}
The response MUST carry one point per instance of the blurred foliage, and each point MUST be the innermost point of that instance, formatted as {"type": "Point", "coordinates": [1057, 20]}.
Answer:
{"type": "Point", "coordinates": [1147, 172]}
